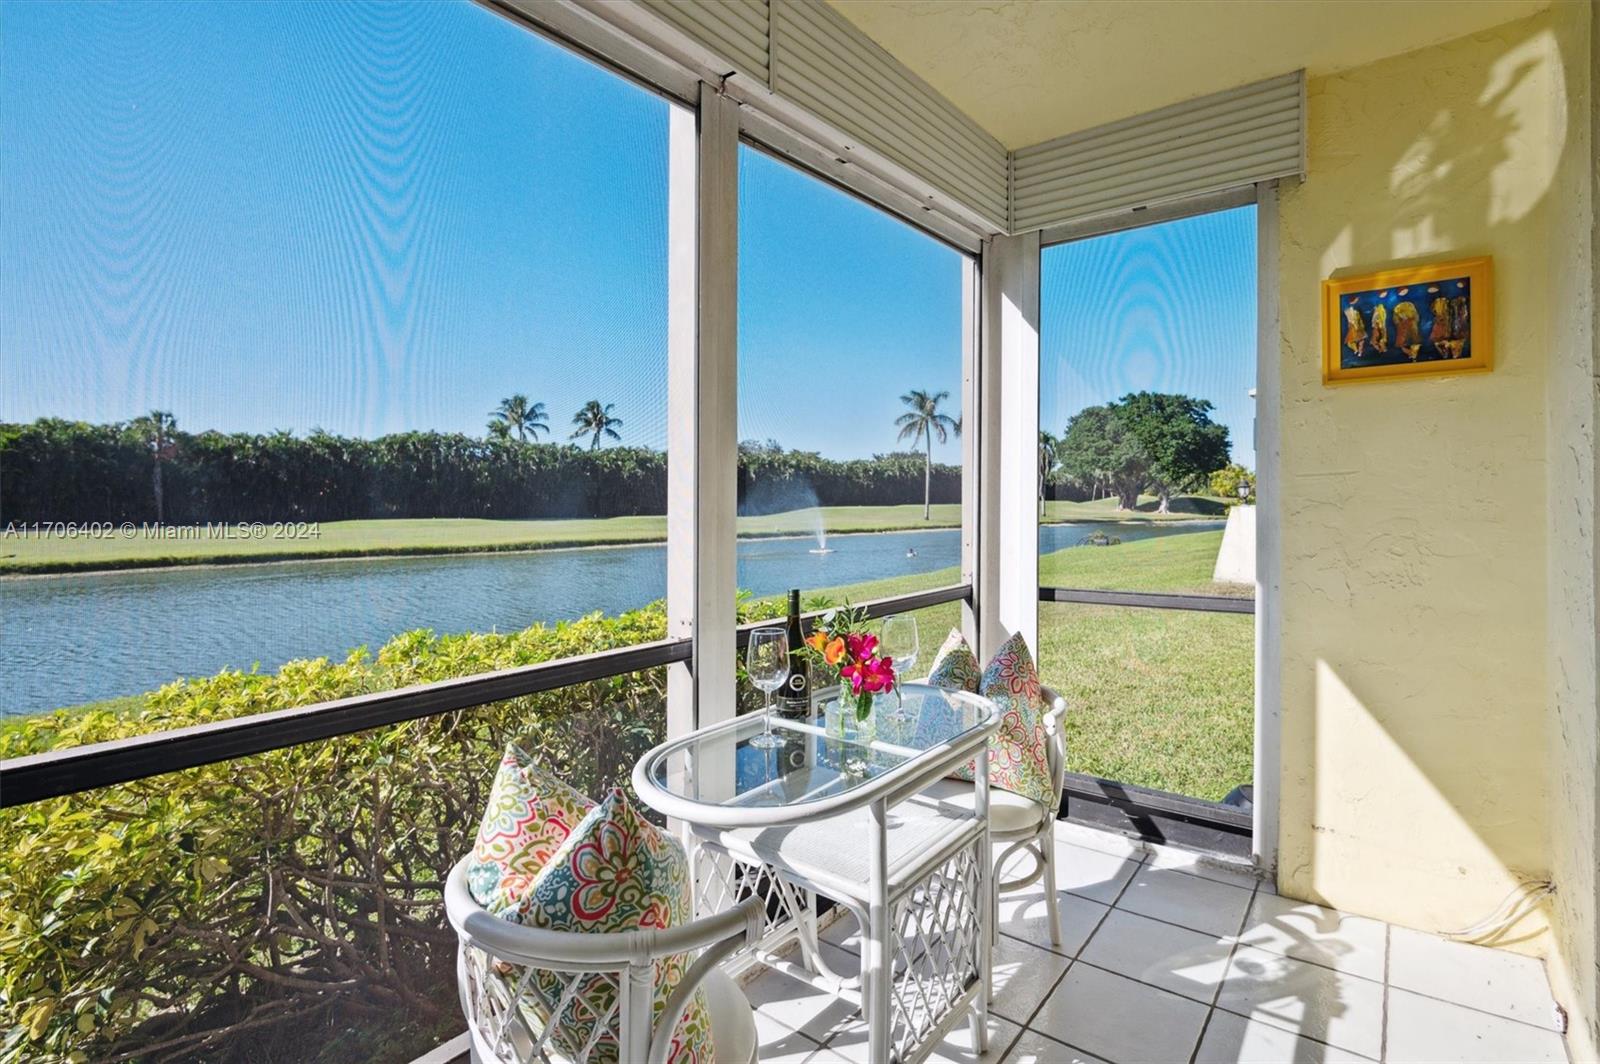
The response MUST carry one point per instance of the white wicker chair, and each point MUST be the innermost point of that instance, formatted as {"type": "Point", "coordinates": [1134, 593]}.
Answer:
{"type": "Point", "coordinates": [497, 961]}
{"type": "Point", "coordinates": [1017, 823]}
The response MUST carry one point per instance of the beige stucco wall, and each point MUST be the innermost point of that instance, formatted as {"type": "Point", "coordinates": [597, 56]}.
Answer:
{"type": "Point", "coordinates": [1572, 409]}
{"type": "Point", "coordinates": [1414, 522]}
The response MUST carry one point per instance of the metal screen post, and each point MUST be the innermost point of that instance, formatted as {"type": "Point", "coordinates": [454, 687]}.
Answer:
{"type": "Point", "coordinates": [702, 404]}
{"type": "Point", "coordinates": [1008, 431]}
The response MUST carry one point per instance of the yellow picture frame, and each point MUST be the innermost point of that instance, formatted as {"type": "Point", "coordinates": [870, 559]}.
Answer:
{"type": "Point", "coordinates": [1419, 321]}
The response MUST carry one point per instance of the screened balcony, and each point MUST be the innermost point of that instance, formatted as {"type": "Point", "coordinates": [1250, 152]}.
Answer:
{"type": "Point", "coordinates": [386, 384]}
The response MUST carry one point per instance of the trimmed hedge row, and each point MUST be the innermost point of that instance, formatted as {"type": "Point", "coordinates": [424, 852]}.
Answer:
{"type": "Point", "coordinates": [55, 470]}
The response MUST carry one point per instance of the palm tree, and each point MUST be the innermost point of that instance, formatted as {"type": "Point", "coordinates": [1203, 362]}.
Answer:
{"type": "Point", "coordinates": [520, 416]}
{"type": "Point", "coordinates": [499, 430]}
{"type": "Point", "coordinates": [595, 420]}
{"type": "Point", "coordinates": [1049, 460]}
{"type": "Point", "coordinates": [158, 431]}
{"type": "Point", "coordinates": [924, 422]}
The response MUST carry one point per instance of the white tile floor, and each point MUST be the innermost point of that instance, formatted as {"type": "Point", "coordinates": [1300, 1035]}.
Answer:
{"type": "Point", "coordinates": [1169, 961]}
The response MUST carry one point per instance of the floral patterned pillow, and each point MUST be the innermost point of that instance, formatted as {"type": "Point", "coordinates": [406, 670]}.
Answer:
{"type": "Point", "coordinates": [955, 666]}
{"type": "Point", "coordinates": [615, 872]}
{"type": "Point", "coordinates": [529, 815]}
{"type": "Point", "coordinates": [1018, 758]}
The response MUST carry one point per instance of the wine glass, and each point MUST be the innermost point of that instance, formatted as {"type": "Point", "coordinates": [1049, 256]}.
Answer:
{"type": "Point", "coordinates": [900, 642]}
{"type": "Point", "coordinates": [766, 662]}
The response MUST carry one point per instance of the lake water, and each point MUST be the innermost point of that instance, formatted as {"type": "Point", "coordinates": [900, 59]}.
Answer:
{"type": "Point", "coordinates": [70, 639]}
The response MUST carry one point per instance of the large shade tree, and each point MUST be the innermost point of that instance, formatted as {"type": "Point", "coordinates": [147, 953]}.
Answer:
{"type": "Point", "coordinates": [1145, 441]}
{"type": "Point", "coordinates": [517, 416]}
{"type": "Point", "coordinates": [595, 420]}
{"type": "Point", "coordinates": [921, 424]}
{"type": "Point", "coordinates": [1098, 451]}
{"type": "Point", "coordinates": [1181, 443]}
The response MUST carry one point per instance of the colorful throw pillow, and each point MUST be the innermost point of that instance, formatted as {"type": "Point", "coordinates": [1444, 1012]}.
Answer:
{"type": "Point", "coordinates": [1018, 757]}
{"type": "Point", "coordinates": [529, 815]}
{"type": "Point", "coordinates": [615, 872]}
{"type": "Point", "coordinates": [955, 666]}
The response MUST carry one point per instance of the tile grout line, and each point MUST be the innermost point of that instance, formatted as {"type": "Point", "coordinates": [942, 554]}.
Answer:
{"type": "Point", "coordinates": [1072, 960]}
{"type": "Point", "coordinates": [1383, 1026]}
{"type": "Point", "coordinates": [1227, 963]}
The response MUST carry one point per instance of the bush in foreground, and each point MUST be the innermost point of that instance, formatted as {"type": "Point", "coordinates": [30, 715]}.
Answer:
{"type": "Point", "coordinates": [287, 905]}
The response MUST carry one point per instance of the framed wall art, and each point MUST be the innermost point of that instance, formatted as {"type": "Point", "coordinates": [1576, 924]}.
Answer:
{"type": "Point", "coordinates": [1419, 321]}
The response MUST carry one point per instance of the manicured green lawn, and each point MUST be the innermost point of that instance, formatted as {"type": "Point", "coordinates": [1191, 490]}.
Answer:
{"type": "Point", "coordinates": [337, 539]}
{"type": "Point", "coordinates": [1159, 698]}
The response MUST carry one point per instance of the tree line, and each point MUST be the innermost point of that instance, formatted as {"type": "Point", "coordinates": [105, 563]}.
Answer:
{"type": "Point", "coordinates": [150, 469]}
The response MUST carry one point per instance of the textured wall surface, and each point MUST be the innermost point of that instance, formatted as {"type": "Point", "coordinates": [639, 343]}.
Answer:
{"type": "Point", "coordinates": [1574, 334]}
{"type": "Point", "coordinates": [1414, 512]}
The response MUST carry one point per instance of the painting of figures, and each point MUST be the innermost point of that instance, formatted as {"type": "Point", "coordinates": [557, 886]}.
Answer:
{"type": "Point", "coordinates": [1422, 321]}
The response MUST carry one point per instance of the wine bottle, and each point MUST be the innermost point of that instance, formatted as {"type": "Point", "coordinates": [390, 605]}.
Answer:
{"type": "Point", "coordinates": [795, 698]}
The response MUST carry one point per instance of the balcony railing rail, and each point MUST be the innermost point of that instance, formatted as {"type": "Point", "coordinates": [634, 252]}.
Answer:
{"type": "Point", "coordinates": [78, 769]}
{"type": "Point", "coordinates": [883, 607]}
{"type": "Point", "coordinates": [1159, 600]}
{"type": "Point", "coordinates": [84, 768]}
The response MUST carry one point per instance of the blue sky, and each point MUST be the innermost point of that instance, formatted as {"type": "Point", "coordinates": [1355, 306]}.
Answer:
{"type": "Point", "coordinates": [371, 219]}
{"type": "Point", "coordinates": [1166, 308]}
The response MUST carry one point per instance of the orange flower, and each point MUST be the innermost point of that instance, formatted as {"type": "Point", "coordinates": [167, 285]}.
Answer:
{"type": "Point", "coordinates": [833, 651]}
{"type": "Point", "coordinates": [817, 641]}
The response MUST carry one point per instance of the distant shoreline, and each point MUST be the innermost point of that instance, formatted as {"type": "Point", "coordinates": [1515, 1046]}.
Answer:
{"type": "Point", "coordinates": [12, 569]}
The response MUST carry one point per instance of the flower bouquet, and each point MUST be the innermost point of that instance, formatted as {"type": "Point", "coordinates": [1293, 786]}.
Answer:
{"type": "Point", "coordinates": [840, 641]}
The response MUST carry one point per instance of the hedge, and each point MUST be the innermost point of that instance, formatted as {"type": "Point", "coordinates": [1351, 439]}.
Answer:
{"type": "Point", "coordinates": [54, 470]}
{"type": "Point", "coordinates": [287, 905]}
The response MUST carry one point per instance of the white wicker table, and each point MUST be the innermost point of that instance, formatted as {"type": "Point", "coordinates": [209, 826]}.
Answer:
{"type": "Point", "coordinates": [842, 817]}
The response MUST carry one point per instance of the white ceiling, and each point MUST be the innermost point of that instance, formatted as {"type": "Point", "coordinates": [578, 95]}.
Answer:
{"type": "Point", "coordinates": [1031, 70]}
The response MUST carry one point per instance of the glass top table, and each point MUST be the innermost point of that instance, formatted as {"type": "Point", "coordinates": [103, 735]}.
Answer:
{"type": "Point", "coordinates": [827, 761]}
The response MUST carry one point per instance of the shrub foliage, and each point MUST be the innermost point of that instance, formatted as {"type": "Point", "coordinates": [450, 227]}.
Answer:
{"type": "Point", "coordinates": [286, 905]}
{"type": "Point", "coordinates": [56, 470]}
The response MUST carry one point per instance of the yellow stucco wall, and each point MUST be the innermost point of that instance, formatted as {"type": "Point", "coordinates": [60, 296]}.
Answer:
{"type": "Point", "coordinates": [1414, 527]}
{"type": "Point", "coordinates": [1574, 745]}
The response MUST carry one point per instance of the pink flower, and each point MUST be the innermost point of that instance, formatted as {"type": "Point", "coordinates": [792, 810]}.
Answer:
{"type": "Point", "coordinates": [852, 674]}
{"type": "Point", "coordinates": [861, 645]}
{"type": "Point", "coordinates": [872, 675]}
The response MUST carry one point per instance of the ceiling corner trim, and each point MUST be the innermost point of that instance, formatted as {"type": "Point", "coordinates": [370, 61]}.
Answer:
{"type": "Point", "coordinates": [1210, 144]}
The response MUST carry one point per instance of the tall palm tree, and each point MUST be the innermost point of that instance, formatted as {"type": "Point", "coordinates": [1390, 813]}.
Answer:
{"type": "Point", "coordinates": [596, 421]}
{"type": "Point", "coordinates": [159, 432]}
{"type": "Point", "coordinates": [1049, 460]}
{"type": "Point", "coordinates": [521, 417]}
{"type": "Point", "coordinates": [924, 422]}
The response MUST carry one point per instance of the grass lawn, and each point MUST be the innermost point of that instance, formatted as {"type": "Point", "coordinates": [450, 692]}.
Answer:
{"type": "Point", "coordinates": [345, 539]}
{"type": "Point", "coordinates": [406, 536]}
{"type": "Point", "coordinates": [1160, 698]}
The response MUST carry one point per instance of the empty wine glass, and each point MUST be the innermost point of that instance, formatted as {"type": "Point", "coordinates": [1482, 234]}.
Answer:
{"type": "Point", "coordinates": [766, 662]}
{"type": "Point", "coordinates": [900, 642]}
